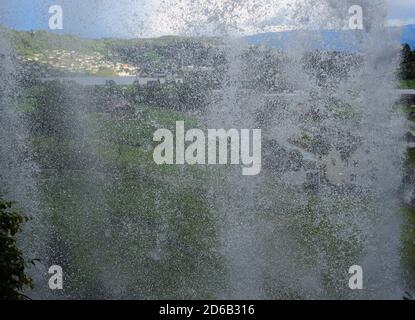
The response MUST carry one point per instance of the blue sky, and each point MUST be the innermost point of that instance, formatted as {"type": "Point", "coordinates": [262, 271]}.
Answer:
{"type": "Point", "coordinates": [122, 18]}
{"type": "Point", "coordinates": [88, 18]}
{"type": "Point", "coordinates": [402, 12]}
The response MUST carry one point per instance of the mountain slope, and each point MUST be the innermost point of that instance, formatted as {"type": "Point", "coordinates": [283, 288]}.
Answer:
{"type": "Point", "coordinates": [326, 40]}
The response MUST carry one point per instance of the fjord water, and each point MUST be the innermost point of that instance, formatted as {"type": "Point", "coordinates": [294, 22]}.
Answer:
{"type": "Point", "coordinates": [327, 197]}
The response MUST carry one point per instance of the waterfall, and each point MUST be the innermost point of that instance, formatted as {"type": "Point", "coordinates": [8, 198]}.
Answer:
{"type": "Point", "coordinates": [280, 239]}
{"type": "Point", "coordinates": [327, 197]}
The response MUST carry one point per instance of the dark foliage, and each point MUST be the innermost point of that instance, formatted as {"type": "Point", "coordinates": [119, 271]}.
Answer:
{"type": "Point", "coordinates": [408, 63]}
{"type": "Point", "coordinates": [13, 278]}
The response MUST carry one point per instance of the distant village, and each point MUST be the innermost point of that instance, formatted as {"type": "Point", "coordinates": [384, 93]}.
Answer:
{"type": "Point", "coordinates": [75, 62]}
{"type": "Point", "coordinates": [57, 63]}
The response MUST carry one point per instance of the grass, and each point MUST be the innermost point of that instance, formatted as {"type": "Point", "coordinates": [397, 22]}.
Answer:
{"type": "Point", "coordinates": [408, 84]}
{"type": "Point", "coordinates": [118, 143]}
{"type": "Point", "coordinates": [408, 236]}
{"type": "Point", "coordinates": [105, 72]}
{"type": "Point", "coordinates": [153, 232]}
{"type": "Point", "coordinates": [152, 239]}
{"type": "Point", "coordinates": [410, 157]}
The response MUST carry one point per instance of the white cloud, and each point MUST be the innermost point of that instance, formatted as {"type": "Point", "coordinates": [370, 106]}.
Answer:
{"type": "Point", "coordinates": [400, 22]}
{"type": "Point", "coordinates": [213, 16]}
{"type": "Point", "coordinates": [401, 12]}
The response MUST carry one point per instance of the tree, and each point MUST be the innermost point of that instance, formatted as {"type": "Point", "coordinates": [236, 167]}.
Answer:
{"type": "Point", "coordinates": [407, 54]}
{"type": "Point", "coordinates": [13, 278]}
{"type": "Point", "coordinates": [407, 63]}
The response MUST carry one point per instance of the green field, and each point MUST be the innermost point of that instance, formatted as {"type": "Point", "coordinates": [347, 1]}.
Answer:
{"type": "Point", "coordinates": [124, 227]}
{"type": "Point", "coordinates": [115, 212]}
{"type": "Point", "coordinates": [408, 84]}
